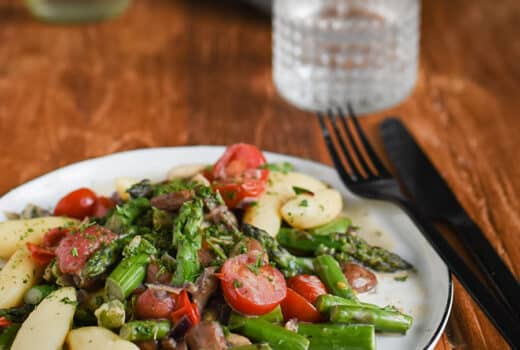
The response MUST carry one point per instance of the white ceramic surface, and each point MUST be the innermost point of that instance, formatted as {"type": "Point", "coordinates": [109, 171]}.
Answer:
{"type": "Point", "coordinates": [427, 294]}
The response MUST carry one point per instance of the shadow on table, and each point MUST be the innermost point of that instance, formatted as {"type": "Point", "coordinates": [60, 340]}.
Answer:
{"type": "Point", "coordinates": [229, 8]}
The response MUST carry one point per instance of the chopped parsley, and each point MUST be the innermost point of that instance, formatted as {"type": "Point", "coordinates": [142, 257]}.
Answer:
{"type": "Point", "coordinates": [74, 251]}
{"type": "Point", "coordinates": [231, 195]}
{"type": "Point", "coordinates": [402, 278]}
{"type": "Point", "coordinates": [301, 190]}
{"type": "Point", "coordinates": [84, 225]}
{"type": "Point", "coordinates": [303, 203]}
{"type": "Point", "coordinates": [284, 167]}
{"type": "Point", "coordinates": [68, 301]}
{"type": "Point", "coordinates": [237, 284]}
{"type": "Point", "coordinates": [257, 265]}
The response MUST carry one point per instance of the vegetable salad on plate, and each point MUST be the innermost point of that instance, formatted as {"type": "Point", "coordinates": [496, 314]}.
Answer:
{"type": "Point", "coordinates": [240, 254]}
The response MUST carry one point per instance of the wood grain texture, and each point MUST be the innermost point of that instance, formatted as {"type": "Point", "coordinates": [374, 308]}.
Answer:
{"type": "Point", "coordinates": [173, 72]}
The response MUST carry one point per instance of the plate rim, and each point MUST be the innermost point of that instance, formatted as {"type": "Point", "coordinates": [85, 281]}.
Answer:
{"type": "Point", "coordinates": [449, 302]}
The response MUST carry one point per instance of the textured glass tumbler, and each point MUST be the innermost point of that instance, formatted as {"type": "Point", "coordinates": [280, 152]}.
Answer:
{"type": "Point", "coordinates": [76, 10]}
{"type": "Point", "coordinates": [328, 53]}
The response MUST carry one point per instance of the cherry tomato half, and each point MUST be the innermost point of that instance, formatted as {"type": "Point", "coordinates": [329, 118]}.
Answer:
{"type": "Point", "coordinates": [4, 322]}
{"type": "Point", "coordinates": [154, 304]}
{"type": "Point", "coordinates": [184, 307]}
{"type": "Point", "coordinates": [102, 206]}
{"type": "Point", "coordinates": [250, 285]}
{"type": "Point", "coordinates": [237, 174]}
{"type": "Point", "coordinates": [236, 160]}
{"type": "Point", "coordinates": [250, 184]}
{"type": "Point", "coordinates": [77, 204]}
{"type": "Point", "coordinates": [308, 286]}
{"type": "Point", "coordinates": [40, 255]}
{"type": "Point", "coordinates": [296, 306]}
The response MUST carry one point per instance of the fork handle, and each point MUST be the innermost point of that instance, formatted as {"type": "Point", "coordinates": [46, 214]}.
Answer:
{"type": "Point", "coordinates": [496, 311]}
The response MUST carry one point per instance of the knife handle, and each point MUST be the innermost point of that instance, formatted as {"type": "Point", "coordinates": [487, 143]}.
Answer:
{"type": "Point", "coordinates": [494, 308]}
{"type": "Point", "coordinates": [500, 277]}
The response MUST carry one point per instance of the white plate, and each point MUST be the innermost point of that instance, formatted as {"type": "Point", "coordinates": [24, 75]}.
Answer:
{"type": "Point", "coordinates": [426, 295]}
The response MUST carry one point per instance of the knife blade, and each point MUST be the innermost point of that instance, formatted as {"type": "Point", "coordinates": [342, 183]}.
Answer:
{"type": "Point", "coordinates": [435, 200]}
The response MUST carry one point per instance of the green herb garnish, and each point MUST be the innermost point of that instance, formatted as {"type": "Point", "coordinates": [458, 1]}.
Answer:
{"type": "Point", "coordinates": [284, 167]}
{"type": "Point", "coordinates": [402, 278]}
{"type": "Point", "coordinates": [257, 265]}
{"type": "Point", "coordinates": [301, 190]}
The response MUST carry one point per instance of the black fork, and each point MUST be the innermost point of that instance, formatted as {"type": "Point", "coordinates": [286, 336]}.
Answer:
{"type": "Point", "coordinates": [364, 174]}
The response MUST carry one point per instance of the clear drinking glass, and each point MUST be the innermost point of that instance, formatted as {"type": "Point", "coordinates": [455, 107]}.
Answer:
{"type": "Point", "coordinates": [76, 10]}
{"type": "Point", "coordinates": [328, 53]}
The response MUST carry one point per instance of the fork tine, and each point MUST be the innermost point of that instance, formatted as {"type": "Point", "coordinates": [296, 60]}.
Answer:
{"type": "Point", "coordinates": [354, 145]}
{"type": "Point", "coordinates": [345, 176]}
{"type": "Point", "coordinates": [354, 170]}
{"type": "Point", "coordinates": [381, 169]}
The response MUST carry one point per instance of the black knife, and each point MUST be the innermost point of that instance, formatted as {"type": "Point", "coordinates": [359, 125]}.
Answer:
{"type": "Point", "coordinates": [434, 199]}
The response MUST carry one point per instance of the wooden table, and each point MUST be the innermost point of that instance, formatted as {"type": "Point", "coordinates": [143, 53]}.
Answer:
{"type": "Point", "coordinates": [172, 73]}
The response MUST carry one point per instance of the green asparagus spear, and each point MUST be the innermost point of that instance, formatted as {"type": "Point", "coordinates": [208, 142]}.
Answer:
{"type": "Point", "coordinates": [274, 316]}
{"type": "Point", "coordinates": [339, 225]}
{"type": "Point", "coordinates": [261, 346]}
{"type": "Point", "coordinates": [139, 245]}
{"type": "Point", "coordinates": [212, 201]}
{"type": "Point", "coordinates": [145, 330]}
{"type": "Point", "coordinates": [128, 214]}
{"type": "Point", "coordinates": [330, 273]}
{"type": "Point", "coordinates": [326, 301]}
{"type": "Point", "coordinates": [288, 264]}
{"type": "Point", "coordinates": [126, 277]}
{"type": "Point", "coordinates": [347, 245]}
{"type": "Point", "coordinates": [7, 336]}
{"type": "Point", "coordinates": [130, 220]}
{"type": "Point", "coordinates": [338, 336]}
{"type": "Point", "coordinates": [102, 259]}
{"type": "Point", "coordinates": [384, 320]}
{"type": "Point", "coordinates": [37, 293]}
{"type": "Point", "coordinates": [111, 314]}
{"type": "Point", "coordinates": [260, 330]}
{"type": "Point", "coordinates": [187, 238]}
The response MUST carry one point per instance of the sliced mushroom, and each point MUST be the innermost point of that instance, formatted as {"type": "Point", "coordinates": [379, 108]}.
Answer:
{"type": "Point", "coordinates": [171, 201]}
{"type": "Point", "coordinates": [207, 284]}
{"type": "Point", "coordinates": [234, 339]}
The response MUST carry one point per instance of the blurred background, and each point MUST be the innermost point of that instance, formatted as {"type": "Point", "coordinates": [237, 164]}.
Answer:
{"type": "Point", "coordinates": [185, 72]}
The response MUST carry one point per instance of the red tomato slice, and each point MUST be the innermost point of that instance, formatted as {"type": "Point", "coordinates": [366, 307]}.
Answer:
{"type": "Point", "coordinates": [296, 306]}
{"type": "Point", "coordinates": [154, 304]}
{"type": "Point", "coordinates": [41, 256]}
{"type": "Point", "coordinates": [308, 286]}
{"type": "Point", "coordinates": [251, 184]}
{"type": "Point", "coordinates": [249, 288]}
{"type": "Point", "coordinates": [77, 246]}
{"type": "Point", "coordinates": [102, 206]}
{"type": "Point", "coordinates": [77, 204]}
{"type": "Point", "coordinates": [4, 322]}
{"type": "Point", "coordinates": [184, 307]}
{"type": "Point", "coordinates": [236, 160]}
